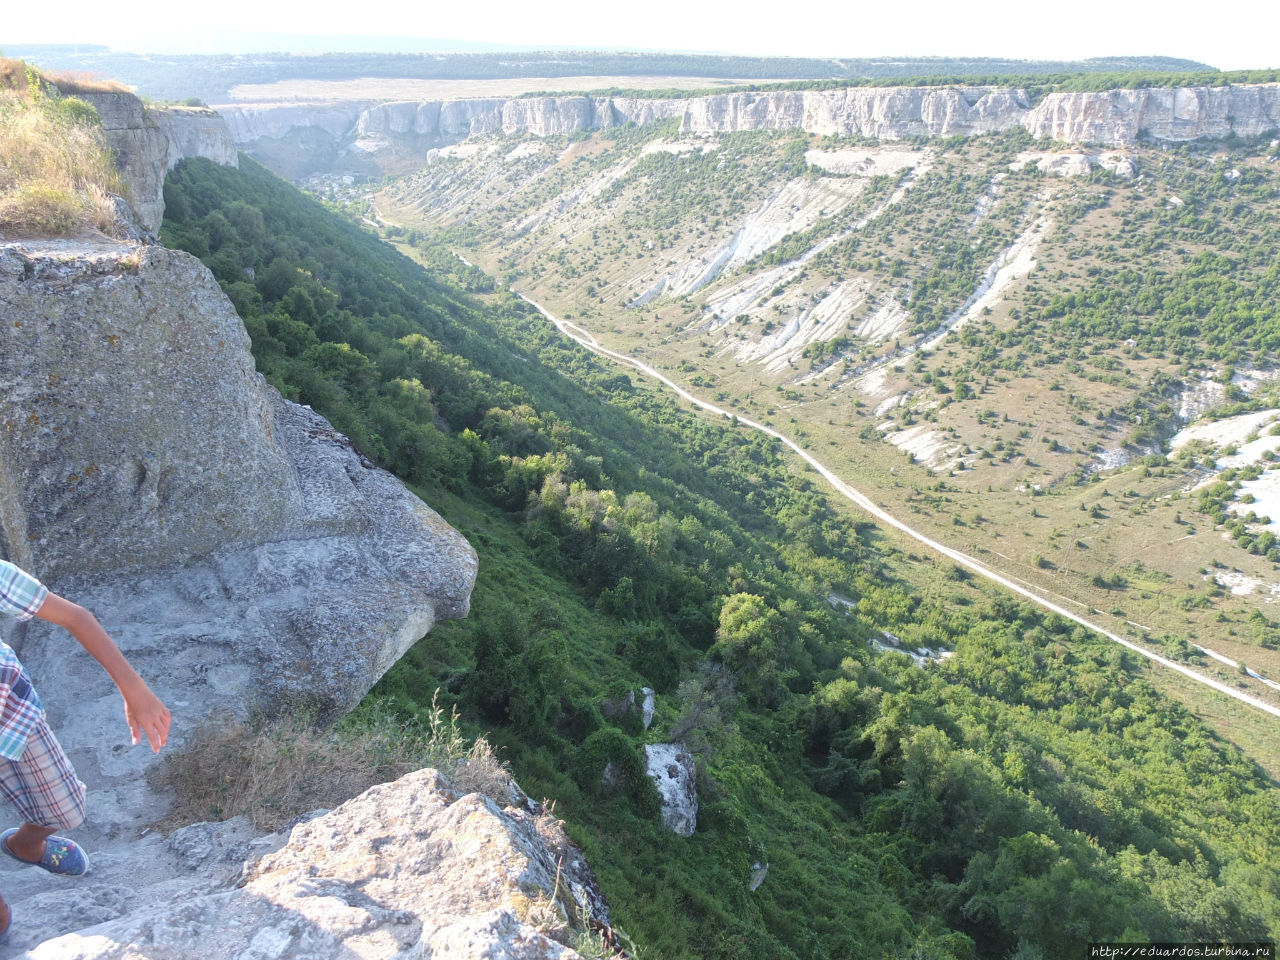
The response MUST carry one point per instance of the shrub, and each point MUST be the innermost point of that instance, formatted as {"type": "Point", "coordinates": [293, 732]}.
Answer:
{"type": "Point", "coordinates": [56, 173]}
{"type": "Point", "coordinates": [610, 748]}
{"type": "Point", "coordinates": [275, 770]}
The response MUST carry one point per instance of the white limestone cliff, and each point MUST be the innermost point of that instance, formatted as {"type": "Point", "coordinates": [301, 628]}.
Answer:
{"type": "Point", "coordinates": [1163, 113]}
{"type": "Point", "coordinates": [150, 141]}
{"type": "Point", "coordinates": [390, 135]}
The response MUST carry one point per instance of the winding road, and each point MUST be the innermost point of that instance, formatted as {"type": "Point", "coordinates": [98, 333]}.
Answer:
{"type": "Point", "coordinates": [577, 333]}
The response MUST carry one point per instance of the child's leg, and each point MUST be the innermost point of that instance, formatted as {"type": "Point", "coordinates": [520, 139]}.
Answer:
{"type": "Point", "coordinates": [44, 787]}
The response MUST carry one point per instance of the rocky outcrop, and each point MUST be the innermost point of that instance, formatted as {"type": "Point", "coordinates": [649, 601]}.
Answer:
{"type": "Point", "coordinates": [149, 142]}
{"type": "Point", "coordinates": [243, 553]}
{"type": "Point", "coordinates": [362, 135]}
{"type": "Point", "coordinates": [409, 868]}
{"type": "Point", "coordinates": [671, 767]}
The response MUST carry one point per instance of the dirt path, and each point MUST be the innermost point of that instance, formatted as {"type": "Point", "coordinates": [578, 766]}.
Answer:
{"type": "Point", "coordinates": [577, 333]}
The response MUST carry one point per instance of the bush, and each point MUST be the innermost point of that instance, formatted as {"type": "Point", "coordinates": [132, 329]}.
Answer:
{"type": "Point", "coordinates": [610, 748]}
{"type": "Point", "coordinates": [56, 173]}
{"type": "Point", "coordinates": [276, 770]}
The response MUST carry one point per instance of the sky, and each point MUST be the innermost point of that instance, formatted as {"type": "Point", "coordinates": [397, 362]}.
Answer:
{"type": "Point", "coordinates": [1241, 35]}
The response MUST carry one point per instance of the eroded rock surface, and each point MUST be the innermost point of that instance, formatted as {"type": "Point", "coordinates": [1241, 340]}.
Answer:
{"type": "Point", "coordinates": [407, 869]}
{"type": "Point", "coordinates": [671, 767]}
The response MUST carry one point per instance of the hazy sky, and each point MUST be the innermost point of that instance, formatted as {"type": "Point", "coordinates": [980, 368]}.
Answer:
{"type": "Point", "coordinates": [1232, 36]}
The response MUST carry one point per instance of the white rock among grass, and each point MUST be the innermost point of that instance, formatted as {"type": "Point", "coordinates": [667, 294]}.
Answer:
{"type": "Point", "coordinates": [671, 768]}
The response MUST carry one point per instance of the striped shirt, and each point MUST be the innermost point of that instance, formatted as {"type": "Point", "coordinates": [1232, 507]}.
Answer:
{"type": "Point", "coordinates": [21, 595]}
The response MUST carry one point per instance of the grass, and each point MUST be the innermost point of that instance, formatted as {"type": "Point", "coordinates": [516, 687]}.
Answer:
{"type": "Point", "coordinates": [57, 175]}
{"type": "Point", "coordinates": [71, 83]}
{"type": "Point", "coordinates": [276, 770]}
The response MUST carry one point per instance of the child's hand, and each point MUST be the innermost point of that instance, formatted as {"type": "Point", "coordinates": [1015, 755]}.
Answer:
{"type": "Point", "coordinates": [143, 710]}
{"type": "Point", "coordinates": [147, 716]}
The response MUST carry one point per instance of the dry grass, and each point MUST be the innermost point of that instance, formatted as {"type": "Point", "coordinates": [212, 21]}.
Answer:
{"type": "Point", "coordinates": [274, 772]}
{"type": "Point", "coordinates": [71, 83]}
{"type": "Point", "coordinates": [56, 172]}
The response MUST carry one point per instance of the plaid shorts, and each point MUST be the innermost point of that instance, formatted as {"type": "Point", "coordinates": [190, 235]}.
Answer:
{"type": "Point", "coordinates": [43, 785]}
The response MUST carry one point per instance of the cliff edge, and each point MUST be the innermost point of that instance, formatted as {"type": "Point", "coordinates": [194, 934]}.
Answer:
{"type": "Point", "coordinates": [357, 136]}
{"type": "Point", "coordinates": [150, 141]}
{"type": "Point", "coordinates": [406, 869]}
{"type": "Point", "coordinates": [248, 560]}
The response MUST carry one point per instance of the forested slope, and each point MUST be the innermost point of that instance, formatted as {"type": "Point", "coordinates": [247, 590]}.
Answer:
{"type": "Point", "coordinates": [1000, 339]}
{"type": "Point", "coordinates": [1031, 793]}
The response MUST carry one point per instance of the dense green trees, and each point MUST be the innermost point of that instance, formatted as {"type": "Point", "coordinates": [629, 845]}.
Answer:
{"type": "Point", "coordinates": [1030, 794]}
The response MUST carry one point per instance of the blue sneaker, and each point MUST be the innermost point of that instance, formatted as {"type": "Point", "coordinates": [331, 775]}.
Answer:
{"type": "Point", "coordinates": [61, 856]}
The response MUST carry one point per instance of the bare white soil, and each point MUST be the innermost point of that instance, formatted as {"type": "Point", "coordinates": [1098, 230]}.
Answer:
{"type": "Point", "coordinates": [1242, 585]}
{"type": "Point", "coordinates": [1013, 264]}
{"type": "Point", "coordinates": [1231, 431]}
{"type": "Point", "coordinates": [926, 445]}
{"type": "Point", "coordinates": [1199, 398]}
{"type": "Point", "coordinates": [864, 163]}
{"type": "Point", "coordinates": [1266, 499]}
{"type": "Point", "coordinates": [1074, 163]}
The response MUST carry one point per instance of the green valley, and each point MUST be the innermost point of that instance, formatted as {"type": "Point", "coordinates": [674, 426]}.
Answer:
{"type": "Point", "coordinates": [1000, 339]}
{"type": "Point", "coordinates": [1033, 791]}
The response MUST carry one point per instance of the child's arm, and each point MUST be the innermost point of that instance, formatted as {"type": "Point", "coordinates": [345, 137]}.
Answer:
{"type": "Point", "coordinates": [142, 708]}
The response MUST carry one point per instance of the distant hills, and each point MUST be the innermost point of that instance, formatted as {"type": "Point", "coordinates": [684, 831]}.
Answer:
{"type": "Point", "coordinates": [212, 77]}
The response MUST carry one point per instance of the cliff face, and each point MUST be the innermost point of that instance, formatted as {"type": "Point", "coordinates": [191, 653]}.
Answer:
{"type": "Point", "coordinates": [143, 460]}
{"type": "Point", "coordinates": [883, 113]}
{"type": "Point", "coordinates": [1177, 114]}
{"type": "Point", "coordinates": [394, 135]}
{"type": "Point", "coordinates": [149, 142]}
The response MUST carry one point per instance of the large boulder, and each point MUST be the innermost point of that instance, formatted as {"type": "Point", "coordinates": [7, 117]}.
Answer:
{"type": "Point", "coordinates": [242, 553]}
